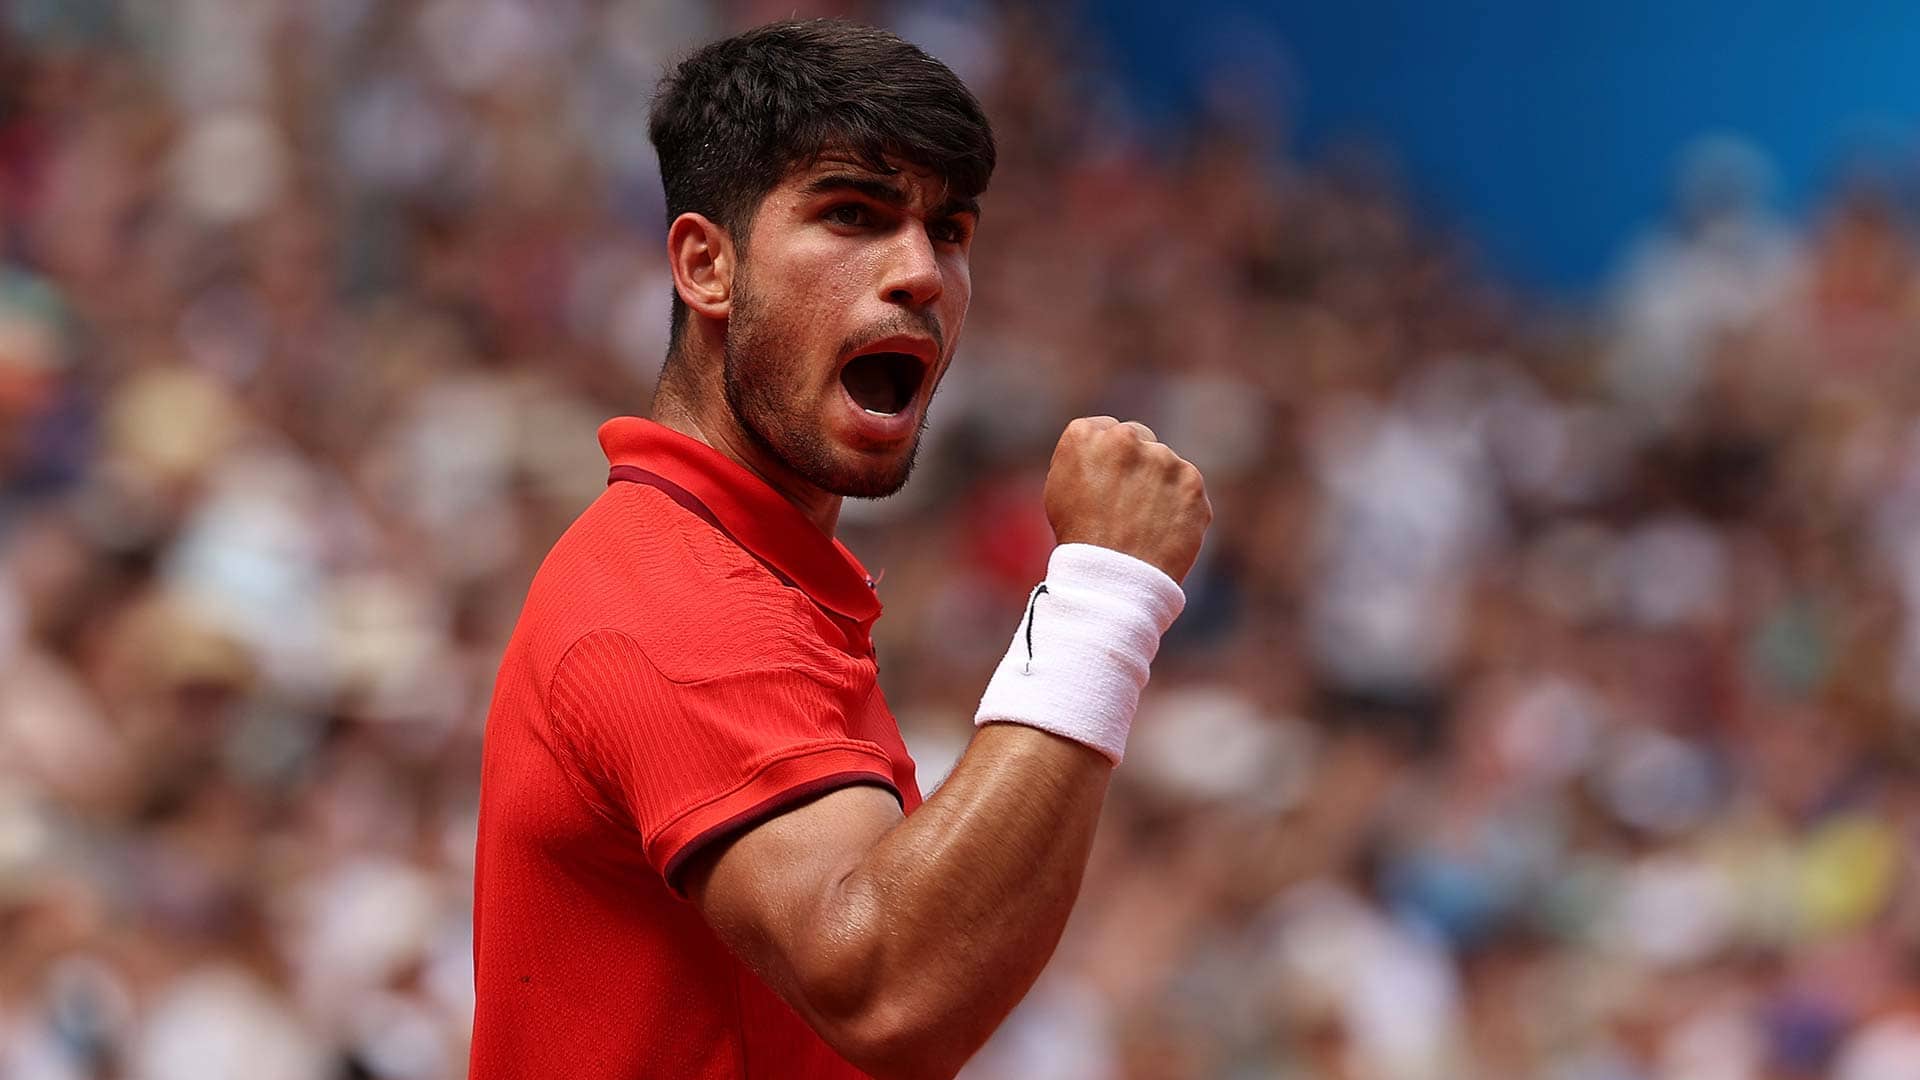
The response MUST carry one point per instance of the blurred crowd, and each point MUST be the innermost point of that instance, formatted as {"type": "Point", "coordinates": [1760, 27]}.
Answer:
{"type": "Point", "coordinates": [1547, 704]}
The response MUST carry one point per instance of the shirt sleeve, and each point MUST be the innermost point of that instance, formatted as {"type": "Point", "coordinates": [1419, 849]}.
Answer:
{"type": "Point", "coordinates": [686, 763]}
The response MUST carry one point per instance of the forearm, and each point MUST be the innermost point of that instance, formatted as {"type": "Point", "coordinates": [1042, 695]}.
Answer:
{"type": "Point", "coordinates": [947, 917]}
{"type": "Point", "coordinates": [905, 941]}
{"type": "Point", "coordinates": [955, 911]}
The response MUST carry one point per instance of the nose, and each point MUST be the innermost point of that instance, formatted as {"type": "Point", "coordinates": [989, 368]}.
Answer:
{"type": "Point", "coordinates": [912, 277]}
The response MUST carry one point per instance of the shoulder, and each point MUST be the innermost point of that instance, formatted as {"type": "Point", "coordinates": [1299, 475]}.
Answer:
{"type": "Point", "coordinates": [641, 572]}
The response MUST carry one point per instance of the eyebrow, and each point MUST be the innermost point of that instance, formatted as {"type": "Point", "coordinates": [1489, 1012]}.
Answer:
{"type": "Point", "coordinates": [884, 192]}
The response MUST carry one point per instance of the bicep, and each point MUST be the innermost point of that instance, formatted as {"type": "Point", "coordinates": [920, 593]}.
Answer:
{"type": "Point", "coordinates": [774, 892]}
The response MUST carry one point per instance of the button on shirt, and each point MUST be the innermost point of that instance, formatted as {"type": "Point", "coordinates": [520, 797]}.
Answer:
{"type": "Point", "coordinates": [693, 657]}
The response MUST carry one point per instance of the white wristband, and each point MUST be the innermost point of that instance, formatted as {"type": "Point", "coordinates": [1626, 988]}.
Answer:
{"type": "Point", "coordinates": [1081, 654]}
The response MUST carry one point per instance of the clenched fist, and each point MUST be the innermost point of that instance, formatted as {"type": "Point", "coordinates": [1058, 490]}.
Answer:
{"type": "Point", "coordinates": [1115, 485]}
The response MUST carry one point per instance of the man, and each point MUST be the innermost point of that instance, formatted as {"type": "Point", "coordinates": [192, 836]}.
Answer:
{"type": "Point", "coordinates": [703, 852]}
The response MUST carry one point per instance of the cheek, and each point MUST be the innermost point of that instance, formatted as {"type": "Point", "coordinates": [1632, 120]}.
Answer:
{"type": "Point", "coordinates": [824, 279]}
{"type": "Point", "coordinates": [957, 293]}
{"type": "Point", "coordinates": [798, 286]}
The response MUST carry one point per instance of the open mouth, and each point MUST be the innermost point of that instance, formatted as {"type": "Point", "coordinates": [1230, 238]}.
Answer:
{"type": "Point", "coordinates": [883, 383]}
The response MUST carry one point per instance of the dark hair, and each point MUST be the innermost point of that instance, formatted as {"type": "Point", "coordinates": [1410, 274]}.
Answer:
{"type": "Point", "coordinates": [736, 117]}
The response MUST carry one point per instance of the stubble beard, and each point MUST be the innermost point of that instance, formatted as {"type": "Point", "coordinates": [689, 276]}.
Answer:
{"type": "Point", "coordinates": [763, 391]}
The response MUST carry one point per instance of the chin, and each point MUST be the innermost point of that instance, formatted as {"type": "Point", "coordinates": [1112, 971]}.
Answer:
{"type": "Point", "coordinates": [824, 455]}
{"type": "Point", "coordinates": [868, 479]}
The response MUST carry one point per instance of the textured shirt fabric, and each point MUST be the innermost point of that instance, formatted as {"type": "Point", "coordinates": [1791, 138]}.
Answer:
{"type": "Point", "coordinates": [694, 656]}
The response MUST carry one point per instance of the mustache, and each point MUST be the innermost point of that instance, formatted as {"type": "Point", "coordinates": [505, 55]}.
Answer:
{"type": "Point", "coordinates": [899, 323]}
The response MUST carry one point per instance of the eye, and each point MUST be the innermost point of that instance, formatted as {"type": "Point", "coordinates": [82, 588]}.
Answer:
{"type": "Point", "coordinates": [949, 231]}
{"type": "Point", "coordinates": [852, 215]}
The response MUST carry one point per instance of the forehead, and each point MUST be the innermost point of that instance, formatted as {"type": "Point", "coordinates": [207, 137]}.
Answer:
{"type": "Point", "coordinates": [917, 185]}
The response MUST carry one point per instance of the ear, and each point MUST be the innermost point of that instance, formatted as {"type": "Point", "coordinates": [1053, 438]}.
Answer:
{"type": "Point", "coordinates": [701, 254]}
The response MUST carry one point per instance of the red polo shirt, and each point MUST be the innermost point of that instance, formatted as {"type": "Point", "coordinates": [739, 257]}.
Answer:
{"type": "Point", "coordinates": [693, 658]}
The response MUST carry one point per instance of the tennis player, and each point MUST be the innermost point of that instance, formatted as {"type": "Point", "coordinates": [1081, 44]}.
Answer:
{"type": "Point", "coordinates": [703, 852]}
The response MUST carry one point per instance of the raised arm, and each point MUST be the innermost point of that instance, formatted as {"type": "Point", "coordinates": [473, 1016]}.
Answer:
{"type": "Point", "coordinates": [905, 941]}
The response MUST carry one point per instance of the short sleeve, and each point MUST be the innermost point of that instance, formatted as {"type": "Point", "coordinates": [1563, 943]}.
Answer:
{"type": "Point", "coordinates": [686, 763]}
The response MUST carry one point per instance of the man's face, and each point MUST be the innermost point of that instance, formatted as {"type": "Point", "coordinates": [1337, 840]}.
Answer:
{"type": "Point", "coordinates": [847, 304]}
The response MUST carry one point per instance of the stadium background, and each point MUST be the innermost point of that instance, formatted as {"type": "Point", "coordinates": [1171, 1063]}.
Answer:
{"type": "Point", "coordinates": [1546, 703]}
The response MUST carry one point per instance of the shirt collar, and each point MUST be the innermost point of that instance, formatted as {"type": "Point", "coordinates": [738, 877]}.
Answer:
{"type": "Point", "coordinates": [760, 518]}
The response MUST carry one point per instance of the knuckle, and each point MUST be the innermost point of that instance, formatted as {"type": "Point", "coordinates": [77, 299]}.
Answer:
{"type": "Point", "coordinates": [1195, 490]}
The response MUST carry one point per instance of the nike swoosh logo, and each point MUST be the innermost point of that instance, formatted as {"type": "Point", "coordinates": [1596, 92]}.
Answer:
{"type": "Point", "coordinates": [1031, 602]}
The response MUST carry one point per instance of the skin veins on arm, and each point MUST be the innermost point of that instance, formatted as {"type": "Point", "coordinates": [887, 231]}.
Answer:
{"type": "Point", "coordinates": [906, 941]}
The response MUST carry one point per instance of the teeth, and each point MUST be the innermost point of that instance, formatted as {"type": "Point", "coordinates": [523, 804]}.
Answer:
{"type": "Point", "coordinates": [877, 412]}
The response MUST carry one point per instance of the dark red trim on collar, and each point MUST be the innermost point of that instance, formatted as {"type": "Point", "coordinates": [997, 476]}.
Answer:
{"type": "Point", "coordinates": [748, 510]}
{"type": "Point", "coordinates": [637, 475]}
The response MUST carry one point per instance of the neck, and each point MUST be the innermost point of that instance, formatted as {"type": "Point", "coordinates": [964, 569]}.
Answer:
{"type": "Point", "coordinates": [716, 426]}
